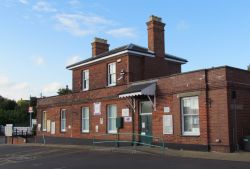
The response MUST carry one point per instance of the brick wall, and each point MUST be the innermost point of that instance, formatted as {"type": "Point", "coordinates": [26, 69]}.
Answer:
{"type": "Point", "coordinates": [213, 87]}
{"type": "Point", "coordinates": [98, 73]}
{"type": "Point", "coordinates": [239, 107]}
{"type": "Point", "coordinates": [142, 67]}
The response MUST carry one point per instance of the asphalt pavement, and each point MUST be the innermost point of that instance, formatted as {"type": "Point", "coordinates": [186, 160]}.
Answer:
{"type": "Point", "coordinates": [53, 157]}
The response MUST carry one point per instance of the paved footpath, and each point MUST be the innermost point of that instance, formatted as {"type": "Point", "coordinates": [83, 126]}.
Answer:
{"type": "Point", "coordinates": [80, 157]}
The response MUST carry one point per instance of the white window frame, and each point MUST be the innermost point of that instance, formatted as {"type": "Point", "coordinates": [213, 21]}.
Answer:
{"type": "Point", "coordinates": [113, 131]}
{"type": "Point", "coordinates": [84, 118]}
{"type": "Point", "coordinates": [111, 66]}
{"type": "Point", "coordinates": [63, 120]}
{"type": "Point", "coordinates": [44, 120]}
{"type": "Point", "coordinates": [188, 133]}
{"type": "Point", "coordinates": [85, 78]}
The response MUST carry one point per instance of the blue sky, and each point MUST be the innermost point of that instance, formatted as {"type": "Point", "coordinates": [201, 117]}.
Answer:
{"type": "Point", "coordinates": [38, 38]}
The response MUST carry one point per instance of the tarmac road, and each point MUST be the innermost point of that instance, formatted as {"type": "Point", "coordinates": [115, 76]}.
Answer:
{"type": "Point", "coordinates": [46, 157]}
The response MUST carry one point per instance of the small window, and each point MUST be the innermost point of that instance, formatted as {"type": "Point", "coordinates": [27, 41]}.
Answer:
{"type": "Point", "coordinates": [44, 120]}
{"type": "Point", "coordinates": [190, 116]}
{"type": "Point", "coordinates": [63, 120]}
{"type": "Point", "coordinates": [85, 80]}
{"type": "Point", "coordinates": [112, 114]}
{"type": "Point", "coordinates": [112, 74]}
{"type": "Point", "coordinates": [85, 119]}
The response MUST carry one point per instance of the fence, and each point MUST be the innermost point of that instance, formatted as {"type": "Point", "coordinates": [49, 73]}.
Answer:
{"type": "Point", "coordinates": [131, 138]}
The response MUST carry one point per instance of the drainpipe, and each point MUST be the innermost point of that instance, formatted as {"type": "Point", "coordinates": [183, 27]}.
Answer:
{"type": "Point", "coordinates": [207, 107]}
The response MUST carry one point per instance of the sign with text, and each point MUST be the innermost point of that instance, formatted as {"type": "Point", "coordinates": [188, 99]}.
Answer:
{"type": "Point", "coordinates": [168, 124]}
{"type": "Point", "coordinates": [97, 108]}
{"type": "Point", "coordinates": [30, 109]}
{"type": "Point", "coordinates": [127, 119]}
{"type": "Point", "coordinates": [125, 112]}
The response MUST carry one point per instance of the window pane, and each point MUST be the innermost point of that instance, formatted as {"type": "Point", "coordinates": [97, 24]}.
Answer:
{"type": "Point", "coordinates": [112, 113]}
{"type": "Point", "coordinates": [188, 123]}
{"type": "Point", "coordinates": [190, 113]}
{"type": "Point", "coordinates": [190, 105]}
{"type": "Point", "coordinates": [86, 124]}
{"type": "Point", "coordinates": [146, 107]}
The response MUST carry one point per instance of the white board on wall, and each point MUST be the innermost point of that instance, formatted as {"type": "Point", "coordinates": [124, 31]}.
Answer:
{"type": "Point", "coordinates": [53, 127]}
{"type": "Point", "coordinates": [168, 124]}
{"type": "Point", "coordinates": [97, 108]}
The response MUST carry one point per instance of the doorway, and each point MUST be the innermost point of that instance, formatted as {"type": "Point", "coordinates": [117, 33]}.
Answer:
{"type": "Point", "coordinates": [145, 122]}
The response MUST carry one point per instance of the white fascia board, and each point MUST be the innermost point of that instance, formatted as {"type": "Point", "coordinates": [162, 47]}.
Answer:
{"type": "Point", "coordinates": [110, 56]}
{"type": "Point", "coordinates": [130, 94]}
{"type": "Point", "coordinates": [174, 60]}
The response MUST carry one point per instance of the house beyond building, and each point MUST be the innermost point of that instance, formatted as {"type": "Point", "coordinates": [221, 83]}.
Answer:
{"type": "Point", "coordinates": [144, 90]}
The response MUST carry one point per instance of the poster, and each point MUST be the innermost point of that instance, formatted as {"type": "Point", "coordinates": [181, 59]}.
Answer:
{"type": "Point", "coordinates": [168, 124]}
{"type": "Point", "coordinates": [125, 112]}
{"type": "Point", "coordinates": [97, 108]}
{"type": "Point", "coordinates": [53, 127]}
{"type": "Point", "coordinates": [127, 119]}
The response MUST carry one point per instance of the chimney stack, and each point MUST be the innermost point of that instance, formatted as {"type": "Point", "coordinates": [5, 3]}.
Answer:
{"type": "Point", "coordinates": [99, 46]}
{"type": "Point", "coordinates": [156, 36]}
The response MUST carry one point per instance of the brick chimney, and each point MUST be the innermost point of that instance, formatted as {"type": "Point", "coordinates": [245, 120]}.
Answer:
{"type": "Point", "coordinates": [99, 46]}
{"type": "Point", "coordinates": [156, 36]}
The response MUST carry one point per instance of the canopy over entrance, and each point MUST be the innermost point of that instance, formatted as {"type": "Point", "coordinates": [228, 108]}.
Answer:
{"type": "Point", "coordinates": [146, 89]}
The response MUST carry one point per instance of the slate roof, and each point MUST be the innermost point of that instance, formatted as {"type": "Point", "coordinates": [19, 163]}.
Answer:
{"type": "Point", "coordinates": [135, 88]}
{"type": "Point", "coordinates": [131, 47]}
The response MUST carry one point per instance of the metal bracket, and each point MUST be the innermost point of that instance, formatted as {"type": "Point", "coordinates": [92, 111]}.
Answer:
{"type": "Point", "coordinates": [152, 102]}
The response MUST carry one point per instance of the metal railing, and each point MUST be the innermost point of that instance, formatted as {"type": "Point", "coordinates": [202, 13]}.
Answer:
{"type": "Point", "coordinates": [118, 138]}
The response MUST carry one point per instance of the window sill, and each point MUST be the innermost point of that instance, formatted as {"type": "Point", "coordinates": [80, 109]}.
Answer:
{"type": "Point", "coordinates": [111, 85]}
{"type": "Point", "coordinates": [112, 132]}
{"type": "Point", "coordinates": [85, 132]}
{"type": "Point", "coordinates": [84, 90]}
{"type": "Point", "coordinates": [191, 135]}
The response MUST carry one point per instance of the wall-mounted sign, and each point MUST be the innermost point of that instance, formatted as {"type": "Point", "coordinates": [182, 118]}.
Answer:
{"type": "Point", "coordinates": [168, 124]}
{"type": "Point", "coordinates": [101, 120]}
{"type": "Point", "coordinates": [125, 112]}
{"type": "Point", "coordinates": [166, 109]}
{"type": "Point", "coordinates": [53, 127]}
{"type": "Point", "coordinates": [97, 108]}
{"type": "Point", "coordinates": [30, 109]}
{"type": "Point", "coordinates": [96, 128]}
{"type": "Point", "coordinates": [39, 127]}
{"type": "Point", "coordinates": [127, 119]}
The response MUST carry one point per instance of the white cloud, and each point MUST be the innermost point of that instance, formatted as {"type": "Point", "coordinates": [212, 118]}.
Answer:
{"type": "Point", "coordinates": [4, 80]}
{"type": "Point", "coordinates": [42, 6]}
{"type": "Point", "coordinates": [73, 60]}
{"type": "Point", "coordinates": [39, 60]}
{"type": "Point", "coordinates": [24, 1]}
{"type": "Point", "coordinates": [51, 88]}
{"type": "Point", "coordinates": [81, 24]}
{"type": "Point", "coordinates": [20, 86]}
{"type": "Point", "coordinates": [122, 32]}
{"type": "Point", "coordinates": [74, 3]}
{"type": "Point", "coordinates": [14, 90]}
{"type": "Point", "coordinates": [182, 25]}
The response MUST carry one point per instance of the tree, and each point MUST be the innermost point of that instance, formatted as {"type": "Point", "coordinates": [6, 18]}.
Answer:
{"type": "Point", "coordinates": [248, 67]}
{"type": "Point", "coordinates": [64, 91]}
{"type": "Point", "coordinates": [13, 112]}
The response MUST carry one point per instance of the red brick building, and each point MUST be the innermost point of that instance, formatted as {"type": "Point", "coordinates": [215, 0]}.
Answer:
{"type": "Point", "coordinates": [206, 109]}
